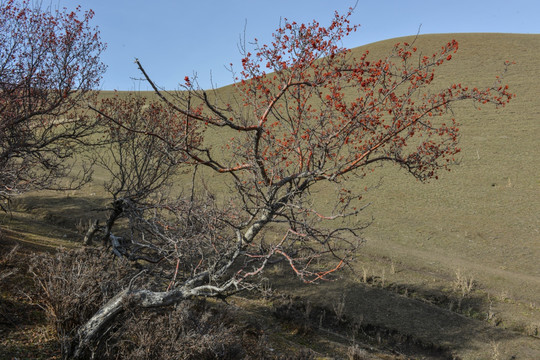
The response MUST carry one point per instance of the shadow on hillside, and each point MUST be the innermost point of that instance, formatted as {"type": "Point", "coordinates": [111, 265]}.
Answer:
{"type": "Point", "coordinates": [46, 220]}
{"type": "Point", "coordinates": [400, 323]}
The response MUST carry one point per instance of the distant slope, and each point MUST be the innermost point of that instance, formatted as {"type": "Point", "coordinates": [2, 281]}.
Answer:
{"type": "Point", "coordinates": [487, 209]}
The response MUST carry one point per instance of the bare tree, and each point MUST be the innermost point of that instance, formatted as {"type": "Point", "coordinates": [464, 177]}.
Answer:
{"type": "Point", "coordinates": [318, 120]}
{"type": "Point", "coordinates": [140, 164]}
{"type": "Point", "coordinates": [49, 63]}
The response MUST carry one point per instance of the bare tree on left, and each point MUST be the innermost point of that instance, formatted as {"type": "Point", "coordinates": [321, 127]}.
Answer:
{"type": "Point", "coordinates": [49, 64]}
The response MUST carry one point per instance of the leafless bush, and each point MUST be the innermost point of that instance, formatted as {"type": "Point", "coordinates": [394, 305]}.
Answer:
{"type": "Point", "coordinates": [73, 285]}
{"type": "Point", "coordinates": [193, 330]}
{"type": "Point", "coordinates": [355, 352]}
{"type": "Point", "coordinates": [463, 284]}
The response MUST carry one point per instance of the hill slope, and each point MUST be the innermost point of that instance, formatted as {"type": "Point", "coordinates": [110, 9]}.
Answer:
{"type": "Point", "coordinates": [481, 220]}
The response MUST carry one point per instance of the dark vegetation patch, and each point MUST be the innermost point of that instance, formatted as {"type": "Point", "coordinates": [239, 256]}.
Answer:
{"type": "Point", "coordinates": [305, 318]}
{"type": "Point", "coordinates": [24, 330]}
{"type": "Point", "coordinates": [45, 299]}
{"type": "Point", "coordinates": [195, 329]}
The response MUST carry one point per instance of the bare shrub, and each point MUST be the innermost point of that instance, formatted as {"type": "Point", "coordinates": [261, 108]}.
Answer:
{"type": "Point", "coordinates": [355, 352]}
{"type": "Point", "coordinates": [463, 284]}
{"type": "Point", "coordinates": [193, 330]}
{"type": "Point", "coordinates": [73, 284]}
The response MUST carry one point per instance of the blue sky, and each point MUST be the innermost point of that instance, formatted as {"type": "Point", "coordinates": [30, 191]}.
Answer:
{"type": "Point", "coordinates": [173, 39]}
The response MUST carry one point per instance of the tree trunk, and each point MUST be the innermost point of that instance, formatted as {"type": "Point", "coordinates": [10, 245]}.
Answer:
{"type": "Point", "coordinates": [90, 233]}
{"type": "Point", "coordinates": [95, 327]}
{"type": "Point", "coordinates": [116, 212]}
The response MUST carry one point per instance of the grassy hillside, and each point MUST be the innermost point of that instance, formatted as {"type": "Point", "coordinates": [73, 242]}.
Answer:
{"type": "Point", "coordinates": [482, 218]}
{"type": "Point", "coordinates": [449, 264]}
{"type": "Point", "coordinates": [487, 208]}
